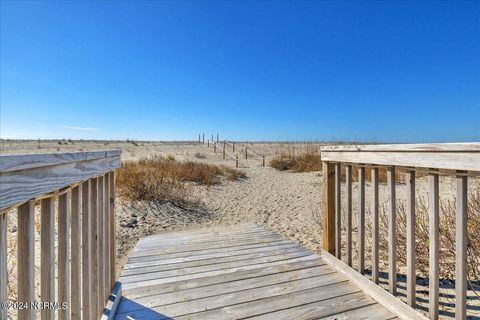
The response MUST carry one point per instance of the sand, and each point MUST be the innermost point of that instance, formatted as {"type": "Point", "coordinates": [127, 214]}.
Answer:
{"type": "Point", "coordinates": [289, 203]}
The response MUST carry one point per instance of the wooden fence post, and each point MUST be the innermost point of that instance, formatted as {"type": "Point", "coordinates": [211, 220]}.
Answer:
{"type": "Point", "coordinates": [236, 161]}
{"type": "Point", "coordinates": [215, 148]}
{"type": "Point", "coordinates": [329, 207]}
{"type": "Point", "coordinates": [246, 153]}
{"type": "Point", "coordinates": [263, 160]}
{"type": "Point", "coordinates": [233, 146]}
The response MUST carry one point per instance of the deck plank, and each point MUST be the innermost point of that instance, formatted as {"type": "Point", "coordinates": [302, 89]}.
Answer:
{"type": "Point", "coordinates": [235, 272]}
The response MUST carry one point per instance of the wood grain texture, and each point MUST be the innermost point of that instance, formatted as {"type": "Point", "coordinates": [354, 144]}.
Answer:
{"type": "Point", "coordinates": [329, 207]}
{"type": "Point", "coordinates": [461, 248]}
{"type": "Point", "coordinates": [24, 177]}
{"type": "Point", "coordinates": [458, 156]}
{"type": "Point", "coordinates": [63, 255]}
{"type": "Point", "coordinates": [47, 258]}
{"type": "Point", "coordinates": [392, 232]}
{"type": "Point", "coordinates": [434, 246]}
{"type": "Point", "coordinates": [94, 247]}
{"type": "Point", "coordinates": [86, 251]}
{"type": "Point", "coordinates": [348, 218]}
{"type": "Point", "coordinates": [26, 258]}
{"type": "Point", "coordinates": [106, 204]}
{"type": "Point", "coordinates": [396, 306]}
{"type": "Point", "coordinates": [284, 281]}
{"type": "Point", "coordinates": [3, 263]}
{"type": "Point", "coordinates": [76, 288]}
{"type": "Point", "coordinates": [375, 227]}
{"type": "Point", "coordinates": [113, 232]}
{"type": "Point", "coordinates": [361, 220]}
{"type": "Point", "coordinates": [411, 247]}
{"type": "Point", "coordinates": [100, 244]}
{"type": "Point", "coordinates": [338, 210]}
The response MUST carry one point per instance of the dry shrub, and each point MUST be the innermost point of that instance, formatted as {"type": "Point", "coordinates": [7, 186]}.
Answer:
{"type": "Point", "coordinates": [163, 180]}
{"type": "Point", "coordinates": [199, 155]}
{"type": "Point", "coordinates": [447, 237]}
{"type": "Point", "coordinates": [305, 162]}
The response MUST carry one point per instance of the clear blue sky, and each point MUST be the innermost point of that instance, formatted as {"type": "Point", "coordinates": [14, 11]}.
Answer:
{"type": "Point", "coordinates": [400, 71]}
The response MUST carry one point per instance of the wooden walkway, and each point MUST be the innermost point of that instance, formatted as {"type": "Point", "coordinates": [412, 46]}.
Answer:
{"type": "Point", "coordinates": [236, 272]}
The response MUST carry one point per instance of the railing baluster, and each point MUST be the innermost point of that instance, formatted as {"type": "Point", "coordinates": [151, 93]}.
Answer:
{"type": "Point", "coordinates": [3, 263]}
{"type": "Point", "coordinates": [433, 212]}
{"type": "Point", "coordinates": [94, 247]}
{"type": "Point", "coordinates": [113, 252]}
{"type": "Point", "coordinates": [348, 191]}
{"type": "Point", "coordinates": [26, 258]}
{"type": "Point", "coordinates": [106, 204]}
{"type": "Point", "coordinates": [375, 226]}
{"type": "Point", "coordinates": [392, 232]}
{"type": "Point", "coordinates": [338, 212]}
{"type": "Point", "coordinates": [461, 248]}
{"type": "Point", "coordinates": [86, 251]}
{"type": "Point", "coordinates": [47, 256]}
{"type": "Point", "coordinates": [100, 248]}
{"type": "Point", "coordinates": [63, 258]}
{"type": "Point", "coordinates": [411, 252]}
{"type": "Point", "coordinates": [76, 290]}
{"type": "Point", "coordinates": [361, 220]}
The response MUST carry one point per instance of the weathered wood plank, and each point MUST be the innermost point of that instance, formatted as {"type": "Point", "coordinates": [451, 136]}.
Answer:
{"type": "Point", "coordinates": [372, 312]}
{"type": "Point", "coordinates": [86, 251]}
{"type": "Point", "coordinates": [256, 301]}
{"type": "Point", "coordinates": [434, 246]}
{"type": "Point", "coordinates": [195, 248]}
{"type": "Point", "coordinates": [63, 254]}
{"type": "Point", "coordinates": [348, 218]}
{"type": "Point", "coordinates": [178, 285]}
{"type": "Point", "coordinates": [361, 220]}
{"type": "Point", "coordinates": [396, 306]}
{"type": "Point", "coordinates": [338, 210]}
{"type": "Point", "coordinates": [106, 203]}
{"type": "Point", "coordinates": [189, 277]}
{"type": "Point", "coordinates": [328, 177]}
{"type": "Point", "coordinates": [230, 287]}
{"type": "Point", "coordinates": [459, 156]}
{"type": "Point", "coordinates": [26, 258]}
{"type": "Point", "coordinates": [3, 262]}
{"type": "Point", "coordinates": [375, 227]}
{"type": "Point", "coordinates": [207, 257]}
{"type": "Point", "coordinates": [24, 177]}
{"type": "Point", "coordinates": [101, 244]}
{"type": "Point", "coordinates": [461, 248]}
{"type": "Point", "coordinates": [17, 162]}
{"type": "Point", "coordinates": [94, 246]}
{"type": "Point", "coordinates": [126, 279]}
{"type": "Point", "coordinates": [47, 256]}
{"type": "Point", "coordinates": [76, 289]}
{"type": "Point", "coordinates": [392, 232]}
{"type": "Point", "coordinates": [181, 266]}
{"type": "Point", "coordinates": [411, 226]}
{"type": "Point", "coordinates": [113, 231]}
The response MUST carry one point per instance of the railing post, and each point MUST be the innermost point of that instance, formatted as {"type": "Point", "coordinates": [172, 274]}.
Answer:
{"type": "Point", "coordinates": [411, 227]}
{"type": "Point", "coordinates": [86, 251]}
{"type": "Point", "coordinates": [329, 207]}
{"type": "Point", "coordinates": [392, 232]}
{"type": "Point", "coordinates": [338, 212]}
{"type": "Point", "coordinates": [434, 246]}
{"type": "Point", "coordinates": [76, 290]}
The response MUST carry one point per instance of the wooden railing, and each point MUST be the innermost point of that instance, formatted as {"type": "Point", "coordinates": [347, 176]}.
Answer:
{"type": "Point", "coordinates": [76, 196]}
{"type": "Point", "coordinates": [461, 160]}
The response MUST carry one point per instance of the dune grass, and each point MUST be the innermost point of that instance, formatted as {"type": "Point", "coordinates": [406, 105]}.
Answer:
{"type": "Point", "coordinates": [163, 180]}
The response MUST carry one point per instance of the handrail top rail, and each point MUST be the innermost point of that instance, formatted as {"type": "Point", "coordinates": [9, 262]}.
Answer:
{"type": "Point", "coordinates": [409, 147]}
{"type": "Point", "coordinates": [16, 162]}
{"type": "Point", "coordinates": [447, 156]}
{"type": "Point", "coordinates": [29, 176]}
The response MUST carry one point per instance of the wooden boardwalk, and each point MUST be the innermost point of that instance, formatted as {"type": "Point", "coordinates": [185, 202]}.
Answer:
{"type": "Point", "coordinates": [236, 273]}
